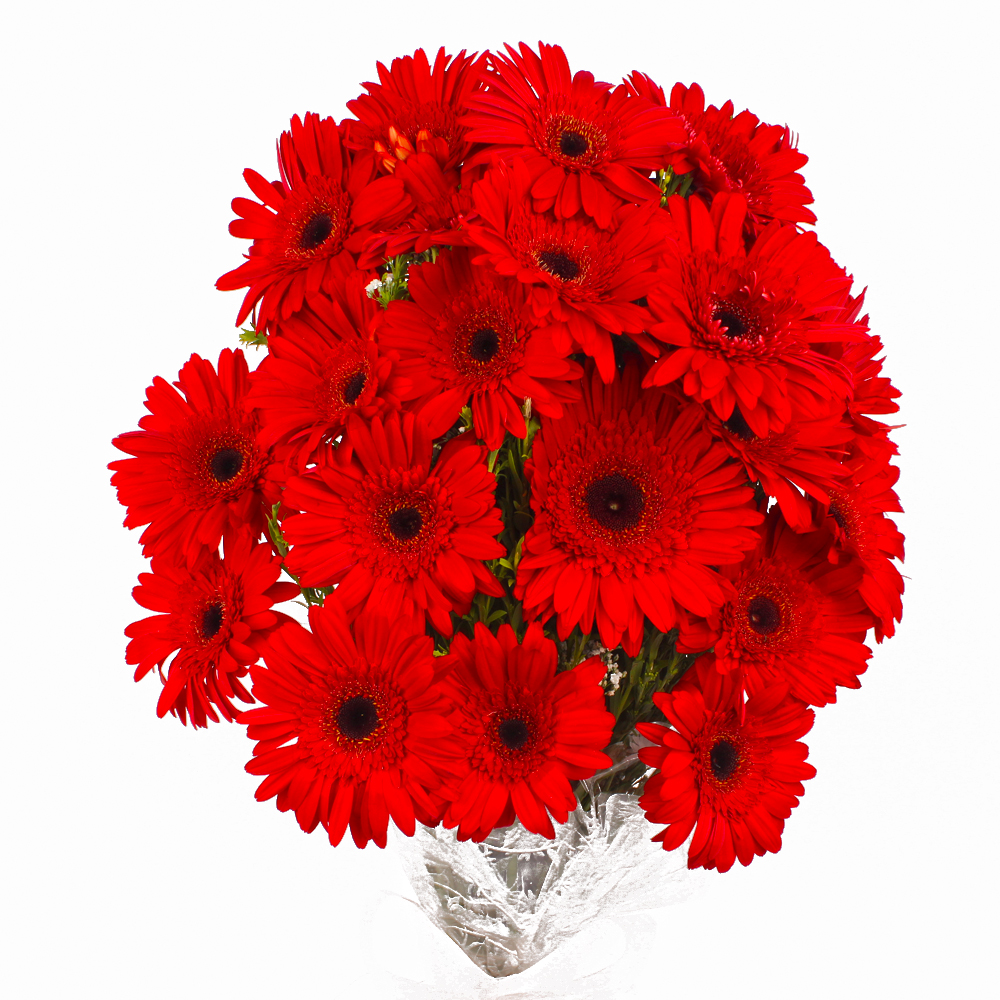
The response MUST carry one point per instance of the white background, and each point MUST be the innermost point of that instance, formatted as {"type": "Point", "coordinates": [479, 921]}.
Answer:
{"type": "Point", "coordinates": [135, 860]}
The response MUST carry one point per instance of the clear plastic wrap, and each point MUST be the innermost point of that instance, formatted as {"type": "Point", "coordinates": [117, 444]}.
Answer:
{"type": "Point", "coordinates": [512, 900]}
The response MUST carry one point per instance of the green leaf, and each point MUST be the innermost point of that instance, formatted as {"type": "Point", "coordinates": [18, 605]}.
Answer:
{"type": "Point", "coordinates": [251, 335]}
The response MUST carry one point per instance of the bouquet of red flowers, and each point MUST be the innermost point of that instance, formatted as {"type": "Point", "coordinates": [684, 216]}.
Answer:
{"type": "Point", "coordinates": [566, 433]}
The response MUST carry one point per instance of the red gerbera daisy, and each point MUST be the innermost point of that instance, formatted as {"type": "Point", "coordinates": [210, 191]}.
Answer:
{"type": "Point", "coordinates": [416, 108]}
{"type": "Point", "coordinates": [524, 729]}
{"type": "Point", "coordinates": [214, 617]}
{"type": "Point", "coordinates": [322, 366]}
{"type": "Point", "coordinates": [584, 280]}
{"type": "Point", "coordinates": [743, 323]}
{"type": "Point", "coordinates": [796, 618]}
{"type": "Point", "coordinates": [737, 153]}
{"type": "Point", "coordinates": [441, 208]}
{"type": "Point", "coordinates": [799, 458]}
{"type": "Point", "coordinates": [198, 468]}
{"type": "Point", "coordinates": [588, 147]}
{"type": "Point", "coordinates": [368, 718]}
{"type": "Point", "coordinates": [872, 393]}
{"type": "Point", "coordinates": [395, 534]}
{"type": "Point", "coordinates": [469, 334]}
{"type": "Point", "coordinates": [328, 202]}
{"type": "Point", "coordinates": [738, 780]}
{"type": "Point", "coordinates": [856, 517]}
{"type": "Point", "coordinates": [635, 505]}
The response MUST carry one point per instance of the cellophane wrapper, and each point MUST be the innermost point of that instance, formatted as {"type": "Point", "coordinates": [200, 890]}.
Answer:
{"type": "Point", "coordinates": [516, 897]}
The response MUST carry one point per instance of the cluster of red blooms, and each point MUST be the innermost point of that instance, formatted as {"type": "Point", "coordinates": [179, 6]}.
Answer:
{"type": "Point", "coordinates": [499, 261]}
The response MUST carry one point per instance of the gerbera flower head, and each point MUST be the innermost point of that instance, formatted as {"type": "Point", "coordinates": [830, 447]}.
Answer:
{"type": "Point", "coordinates": [804, 456]}
{"type": "Point", "coordinates": [872, 392]}
{"type": "Point", "coordinates": [731, 777]}
{"type": "Point", "coordinates": [441, 208]}
{"type": "Point", "coordinates": [796, 618]}
{"type": "Point", "coordinates": [589, 147]}
{"type": "Point", "coordinates": [198, 468]}
{"type": "Point", "coordinates": [214, 617]}
{"type": "Point", "coordinates": [469, 335]}
{"type": "Point", "coordinates": [323, 365]}
{"type": "Point", "coordinates": [524, 729]}
{"type": "Point", "coordinates": [635, 505]}
{"type": "Point", "coordinates": [738, 153]}
{"type": "Point", "coordinates": [856, 517]}
{"type": "Point", "coordinates": [416, 108]}
{"type": "Point", "coordinates": [583, 280]}
{"type": "Point", "coordinates": [328, 202]}
{"type": "Point", "coordinates": [742, 324]}
{"type": "Point", "coordinates": [393, 532]}
{"type": "Point", "coordinates": [354, 728]}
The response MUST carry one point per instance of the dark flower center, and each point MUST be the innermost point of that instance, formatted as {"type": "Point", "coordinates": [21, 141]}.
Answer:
{"type": "Point", "coordinates": [615, 502]}
{"type": "Point", "coordinates": [226, 464]}
{"type": "Point", "coordinates": [484, 344]}
{"type": "Point", "coordinates": [211, 620]}
{"type": "Point", "coordinates": [513, 733]}
{"type": "Point", "coordinates": [354, 388]}
{"type": "Point", "coordinates": [738, 427]}
{"type": "Point", "coordinates": [559, 264]}
{"type": "Point", "coordinates": [838, 516]}
{"type": "Point", "coordinates": [316, 232]}
{"type": "Point", "coordinates": [732, 325]}
{"type": "Point", "coordinates": [573, 144]}
{"type": "Point", "coordinates": [724, 758]}
{"type": "Point", "coordinates": [764, 615]}
{"type": "Point", "coordinates": [405, 523]}
{"type": "Point", "coordinates": [357, 718]}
